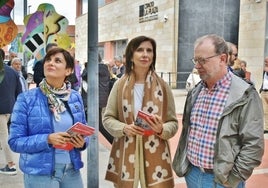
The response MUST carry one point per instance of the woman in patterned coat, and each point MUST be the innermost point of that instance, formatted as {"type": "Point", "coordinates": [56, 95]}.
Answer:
{"type": "Point", "coordinates": [137, 158]}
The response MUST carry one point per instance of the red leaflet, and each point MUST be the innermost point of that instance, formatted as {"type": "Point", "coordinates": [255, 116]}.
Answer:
{"type": "Point", "coordinates": [141, 120]}
{"type": "Point", "coordinates": [77, 128]}
{"type": "Point", "coordinates": [82, 129]}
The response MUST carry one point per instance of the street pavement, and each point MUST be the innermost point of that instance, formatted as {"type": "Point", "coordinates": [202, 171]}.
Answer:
{"type": "Point", "coordinates": [104, 151]}
{"type": "Point", "coordinates": [258, 179]}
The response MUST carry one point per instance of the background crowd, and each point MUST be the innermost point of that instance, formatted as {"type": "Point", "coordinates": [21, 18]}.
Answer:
{"type": "Point", "coordinates": [220, 86]}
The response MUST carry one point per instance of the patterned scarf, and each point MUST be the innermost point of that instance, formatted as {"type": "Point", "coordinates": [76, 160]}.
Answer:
{"type": "Point", "coordinates": [144, 158]}
{"type": "Point", "coordinates": [56, 97]}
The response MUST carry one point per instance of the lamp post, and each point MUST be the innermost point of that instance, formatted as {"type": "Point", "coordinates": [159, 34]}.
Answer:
{"type": "Point", "coordinates": [25, 7]}
{"type": "Point", "coordinates": [93, 93]}
{"type": "Point", "coordinates": [25, 3]}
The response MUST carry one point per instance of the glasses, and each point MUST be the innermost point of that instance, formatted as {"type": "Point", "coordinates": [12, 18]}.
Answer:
{"type": "Point", "coordinates": [202, 60]}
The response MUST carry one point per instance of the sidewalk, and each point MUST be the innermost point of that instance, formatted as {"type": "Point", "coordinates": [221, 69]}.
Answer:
{"type": "Point", "coordinates": [258, 179]}
{"type": "Point", "coordinates": [7, 181]}
{"type": "Point", "coordinates": [104, 151]}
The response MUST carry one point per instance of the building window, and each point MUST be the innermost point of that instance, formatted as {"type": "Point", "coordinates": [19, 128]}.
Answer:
{"type": "Point", "coordinates": [120, 46]}
{"type": "Point", "coordinates": [84, 6]}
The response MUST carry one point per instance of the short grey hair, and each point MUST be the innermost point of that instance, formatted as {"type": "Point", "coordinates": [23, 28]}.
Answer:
{"type": "Point", "coordinates": [230, 49]}
{"type": "Point", "coordinates": [15, 59]}
{"type": "Point", "coordinates": [219, 43]}
{"type": "Point", "coordinates": [118, 58]}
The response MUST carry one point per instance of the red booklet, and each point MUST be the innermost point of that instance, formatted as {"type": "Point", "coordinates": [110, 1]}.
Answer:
{"type": "Point", "coordinates": [141, 120]}
{"type": "Point", "coordinates": [80, 128]}
{"type": "Point", "coordinates": [77, 128]}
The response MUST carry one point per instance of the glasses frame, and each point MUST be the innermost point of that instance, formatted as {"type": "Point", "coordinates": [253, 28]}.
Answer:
{"type": "Point", "coordinates": [202, 60]}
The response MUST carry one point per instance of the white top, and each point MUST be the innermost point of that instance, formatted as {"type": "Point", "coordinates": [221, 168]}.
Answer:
{"type": "Point", "coordinates": [265, 81]}
{"type": "Point", "coordinates": [138, 97]}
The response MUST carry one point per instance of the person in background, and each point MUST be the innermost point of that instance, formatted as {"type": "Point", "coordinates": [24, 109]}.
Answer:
{"type": "Point", "coordinates": [77, 70]}
{"type": "Point", "coordinates": [264, 94]}
{"type": "Point", "coordinates": [16, 65]}
{"type": "Point", "coordinates": [192, 80]}
{"type": "Point", "coordinates": [222, 135]}
{"type": "Point", "coordinates": [12, 55]}
{"type": "Point", "coordinates": [104, 90]}
{"type": "Point", "coordinates": [10, 88]}
{"type": "Point", "coordinates": [120, 66]}
{"type": "Point", "coordinates": [39, 122]}
{"type": "Point", "coordinates": [237, 69]}
{"type": "Point", "coordinates": [136, 158]}
{"type": "Point", "coordinates": [112, 67]}
{"type": "Point", "coordinates": [247, 73]}
{"type": "Point", "coordinates": [232, 54]}
{"type": "Point", "coordinates": [76, 77]}
{"type": "Point", "coordinates": [84, 87]}
{"type": "Point", "coordinates": [113, 76]}
{"type": "Point", "coordinates": [39, 66]}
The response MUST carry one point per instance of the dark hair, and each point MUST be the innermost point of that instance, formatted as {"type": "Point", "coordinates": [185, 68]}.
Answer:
{"type": "Point", "coordinates": [67, 56]}
{"type": "Point", "coordinates": [99, 58]}
{"type": "Point", "coordinates": [50, 45]}
{"type": "Point", "coordinates": [2, 54]}
{"type": "Point", "coordinates": [132, 46]}
{"type": "Point", "coordinates": [85, 65]}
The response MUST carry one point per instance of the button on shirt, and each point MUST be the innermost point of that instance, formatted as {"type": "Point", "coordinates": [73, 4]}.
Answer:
{"type": "Point", "coordinates": [204, 121]}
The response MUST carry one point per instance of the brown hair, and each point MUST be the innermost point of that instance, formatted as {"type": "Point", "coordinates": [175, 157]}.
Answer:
{"type": "Point", "coordinates": [132, 46]}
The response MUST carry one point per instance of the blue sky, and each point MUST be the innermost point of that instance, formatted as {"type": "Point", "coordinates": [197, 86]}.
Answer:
{"type": "Point", "coordinates": [63, 7]}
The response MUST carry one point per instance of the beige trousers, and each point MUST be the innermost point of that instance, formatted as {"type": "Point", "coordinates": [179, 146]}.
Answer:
{"type": "Point", "coordinates": [4, 137]}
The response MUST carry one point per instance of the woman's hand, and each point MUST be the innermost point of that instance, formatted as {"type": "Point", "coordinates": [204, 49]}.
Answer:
{"type": "Point", "coordinates": [59, 138]}
{"type": "Point", "coordinates": [132, 130]}
{"type": "Point", "coordinates": [156, 124]}
{"type": "Point", "coordinates": [78, 141]}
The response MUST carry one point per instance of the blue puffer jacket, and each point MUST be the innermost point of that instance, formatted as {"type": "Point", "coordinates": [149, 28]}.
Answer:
{"type": "Point", "coordinates": [31, 123]}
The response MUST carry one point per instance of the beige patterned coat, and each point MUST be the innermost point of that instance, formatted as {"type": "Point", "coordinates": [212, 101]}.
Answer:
{"type": "Point", "coordinates": [144, 159]}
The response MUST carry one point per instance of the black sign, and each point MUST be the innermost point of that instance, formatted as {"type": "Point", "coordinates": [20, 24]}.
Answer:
{"type": "Point", "coordinates": [148, 12]}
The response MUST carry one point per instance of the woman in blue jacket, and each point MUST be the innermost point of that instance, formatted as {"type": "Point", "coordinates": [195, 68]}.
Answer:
{"type": "Point", "coordinates": [39, 122]}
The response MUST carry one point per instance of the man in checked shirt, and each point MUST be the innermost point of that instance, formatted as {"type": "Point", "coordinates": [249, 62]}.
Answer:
{"type": "Point", "coordinates": [222, 135]}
